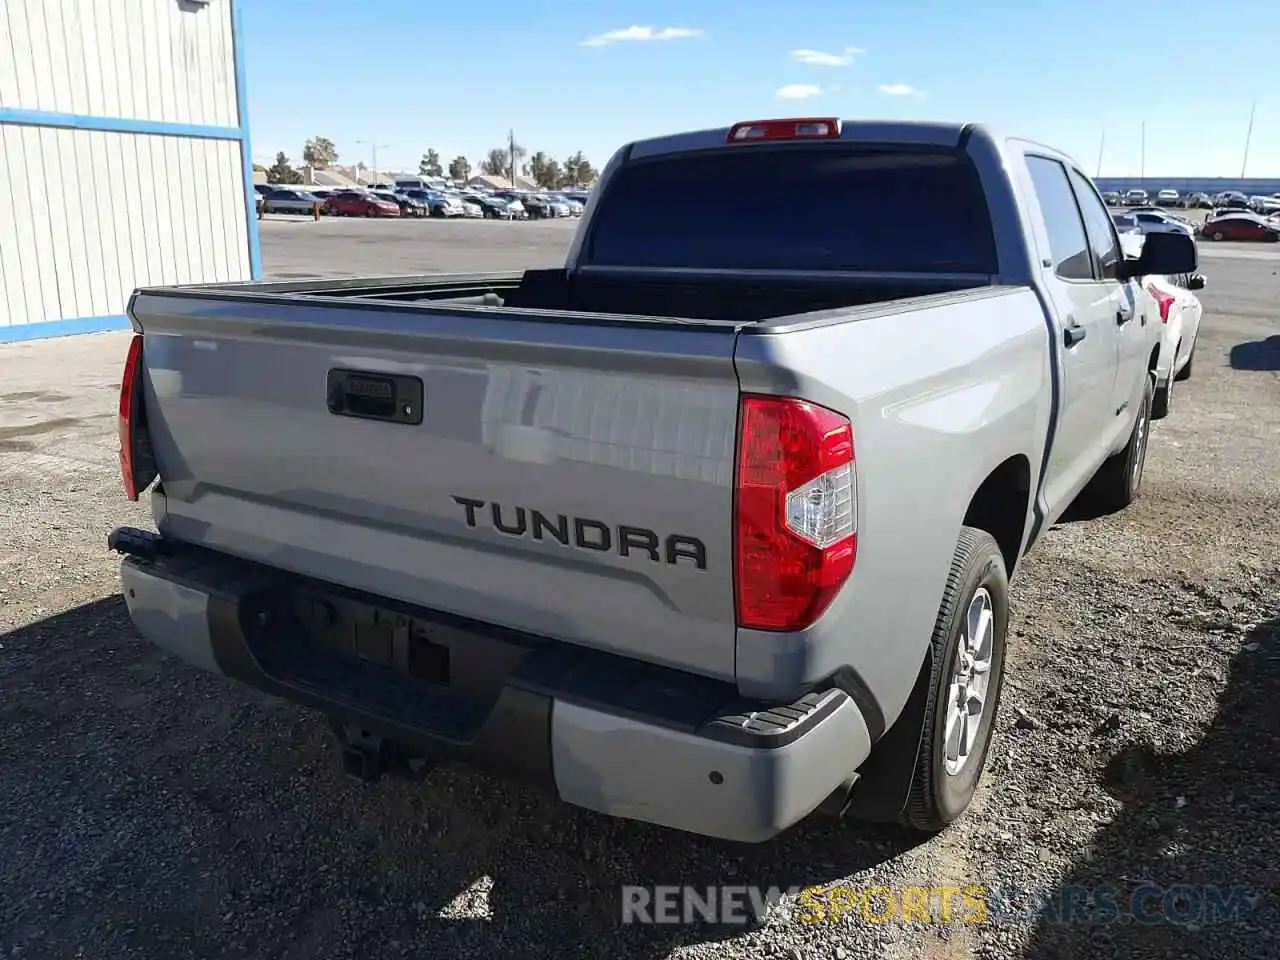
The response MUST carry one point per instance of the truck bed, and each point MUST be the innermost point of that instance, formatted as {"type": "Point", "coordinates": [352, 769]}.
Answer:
{"type": "Point", "coordinates": [607, 297]}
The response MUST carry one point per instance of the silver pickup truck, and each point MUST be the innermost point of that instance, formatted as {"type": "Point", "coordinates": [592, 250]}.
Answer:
{"type": "Point", "coordinates": [713, 527]}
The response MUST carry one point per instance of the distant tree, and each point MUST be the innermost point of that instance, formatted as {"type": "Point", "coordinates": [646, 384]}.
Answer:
{"type": "Point", "coordinates": [429, 165]}
{"type": "Point", "coordinates": [497, 163]}
{"type": "Point", "coordinates": [577, 171]}
{"type": "Point", "coordinates": [282, 171]}
{"type": "Point", "coordinates": [259, 168]}
{"type": "Point", "coordinates": [460, 169]}
{"type": "Point", "coordinates": [320, 152]}
{"type": "Point", "coordinates": [544, 171]}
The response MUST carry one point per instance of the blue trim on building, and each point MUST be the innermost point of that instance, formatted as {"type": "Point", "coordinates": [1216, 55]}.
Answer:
{"type": "Point", "coordinates": [240, 133]}
{"type": "Point", "coordinates": [78, 121]}
{"type": "Point", "coordinates": [62, 328]}
{"type": "Point", "coordinates": [246, 147]}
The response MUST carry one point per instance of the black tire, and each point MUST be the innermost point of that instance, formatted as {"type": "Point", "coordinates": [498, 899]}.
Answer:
{"type": "Point", "coordinates": [1119, 480]}
{"type": "Point", "coordinates": [1185, 372]}
{"type": "Point", "coordinates": [940, 795]}
{"type": "Point", "coordinates": [1162, 399]}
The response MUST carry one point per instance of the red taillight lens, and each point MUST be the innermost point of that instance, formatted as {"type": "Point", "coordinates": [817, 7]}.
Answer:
{"type": "Point", "coordinates": [130, 407]}
{"type": "Point", "coordinates": [796, 512]}
{"type": "Point", "coordinates": [1164, 301]}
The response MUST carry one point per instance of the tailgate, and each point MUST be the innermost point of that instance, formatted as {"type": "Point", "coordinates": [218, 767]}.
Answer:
{"type": "Point", "coordinates": [567, 478]}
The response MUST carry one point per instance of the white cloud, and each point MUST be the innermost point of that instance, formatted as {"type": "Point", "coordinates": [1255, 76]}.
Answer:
{"type": "Point", "coordinates": [798, 91]}
{"type": "Point", "coordinates": [640, 34]}
{"type": "Point", "coordinates": [898, 89]}
{"type": "Point", "coordinates": [816, 58]}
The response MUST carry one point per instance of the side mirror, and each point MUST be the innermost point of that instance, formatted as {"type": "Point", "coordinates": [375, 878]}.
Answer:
{"type": "Point", "coordinates": [1195, 281]}
{"type": "Point", "coordinates": [1162, 254]}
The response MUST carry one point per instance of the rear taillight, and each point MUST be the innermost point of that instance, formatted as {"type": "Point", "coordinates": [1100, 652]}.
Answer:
{"type": "Point", "coordinates": [1164, 301]}
{"type": "Point", "coordinates": [137, 468]}
{"type": "Point", "coordinates": [796, 515]}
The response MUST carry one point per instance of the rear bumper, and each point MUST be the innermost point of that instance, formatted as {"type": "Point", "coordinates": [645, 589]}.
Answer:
{"type": "Point", "coordinates": [607, 733]}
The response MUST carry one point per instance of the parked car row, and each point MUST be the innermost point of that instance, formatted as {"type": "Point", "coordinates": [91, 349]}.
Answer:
{"type": "Point", "coordinates": [1221, 224]}
{"type": "Point", "coordinates": [1227, 199]}
{"type": "Point", "coordinates": [1162, 198]}
{"type": "Point", "coordinates": [406, 200]}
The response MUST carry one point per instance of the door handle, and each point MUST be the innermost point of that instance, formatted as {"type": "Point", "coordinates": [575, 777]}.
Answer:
{"type": "Point", "coordinates": [1074, 334]}
{"type": "Point", "coordinates": [1123, 317]}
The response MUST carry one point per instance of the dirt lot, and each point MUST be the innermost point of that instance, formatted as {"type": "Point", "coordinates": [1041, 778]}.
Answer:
{"type": "Point", "coordinates": [148, 810]}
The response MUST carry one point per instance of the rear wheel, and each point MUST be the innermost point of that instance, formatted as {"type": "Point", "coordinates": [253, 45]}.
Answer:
{"type": "Point", "coordinates": [1119, 479]}
{"type": "Point", "coordinates": [1162, 400]}
{"type": "Point", "coordinates": [968, 648]}
{"type": "Point", "coordinates": [1216, 235]}
{"type": "Point", "coordinates": [1185, 372]}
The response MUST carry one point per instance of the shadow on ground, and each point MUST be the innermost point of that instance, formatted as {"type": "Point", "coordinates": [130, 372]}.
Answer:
{"type": "Point", "coordinates": [1196, 851]}
{"type": "Point", "coordinates": [1258, 355]}
{"type": "Point", "coordinates": [148, 809]}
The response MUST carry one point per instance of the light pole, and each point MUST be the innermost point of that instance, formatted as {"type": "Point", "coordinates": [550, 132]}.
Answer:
{"type": "Point", "coordinates": [375, 147]}
{"type": "Point", "coordinates": [1101, 147]}
{"type": "Point", "coordinates": [1247, 137]}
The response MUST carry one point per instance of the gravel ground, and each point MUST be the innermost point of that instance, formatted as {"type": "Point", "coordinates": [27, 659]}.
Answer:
{"type": "Point", "coordinates": [148, 810]}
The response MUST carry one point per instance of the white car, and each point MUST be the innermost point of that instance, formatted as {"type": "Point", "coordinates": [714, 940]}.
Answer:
{"type": "Point", "coordinates": [1135, 198]}
{"type": "Point", "coordinates": [1180, 312]}
{"type": "Point", "coordinates": [1168, 198]}
{"type": "Point", "coordinates": [1156, 221]}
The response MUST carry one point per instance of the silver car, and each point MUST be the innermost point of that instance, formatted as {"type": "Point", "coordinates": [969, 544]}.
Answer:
{"type": "Point", "coordinates": [289, 201]}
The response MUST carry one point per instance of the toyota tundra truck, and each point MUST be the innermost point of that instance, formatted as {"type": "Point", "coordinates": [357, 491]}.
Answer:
{"type": "Point", "coordinates": [711, 527]}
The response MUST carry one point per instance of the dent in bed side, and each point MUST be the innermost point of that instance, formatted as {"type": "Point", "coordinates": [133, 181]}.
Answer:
{"type": "Point", "coordinates": [940, 399]}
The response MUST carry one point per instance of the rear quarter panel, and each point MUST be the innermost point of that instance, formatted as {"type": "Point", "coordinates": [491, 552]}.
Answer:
{"type": "Point", "coordinates": [939, 396]}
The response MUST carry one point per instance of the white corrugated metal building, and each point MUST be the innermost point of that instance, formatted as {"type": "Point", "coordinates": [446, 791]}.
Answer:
{"type": "Point", "coordinates": [124, 157]}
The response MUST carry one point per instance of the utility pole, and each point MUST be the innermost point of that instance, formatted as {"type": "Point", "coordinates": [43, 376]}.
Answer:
{"type": "Point", "coordinates": [1102, 146]}
{"type": "Point", "coordinates": [1248, 137]}
{"type": "Point", "coordinates": [511, 150]}
{"type": "Point", "coordinates": [374, 145]}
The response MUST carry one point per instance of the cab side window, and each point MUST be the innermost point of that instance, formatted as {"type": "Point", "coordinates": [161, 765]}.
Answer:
{"type": "Point", "coordinates": [1097, 223]}
{"type": "Point", "coordinates": [1068, 243]}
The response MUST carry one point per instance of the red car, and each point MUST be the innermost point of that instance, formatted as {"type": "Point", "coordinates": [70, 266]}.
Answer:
{"type": "Point", "coordinates": [354, 204]}
{"type": "Point", "coordinates": [1242, 227]}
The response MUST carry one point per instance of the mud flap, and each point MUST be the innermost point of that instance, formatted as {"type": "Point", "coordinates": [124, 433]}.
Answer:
{"type": "Point", "coordinates": [884, 781]}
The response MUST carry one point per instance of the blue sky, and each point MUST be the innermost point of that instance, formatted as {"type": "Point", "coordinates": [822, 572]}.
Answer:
{"type": "Point", "coordinates": [410, 75]}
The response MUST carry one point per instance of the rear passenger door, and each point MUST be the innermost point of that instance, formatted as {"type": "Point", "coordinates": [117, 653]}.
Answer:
{"type": "Point", "coordinates": [1132, 313]}
{"type": "Point", "coordinates": [1086, 304]}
